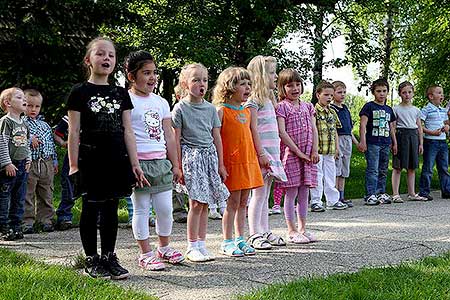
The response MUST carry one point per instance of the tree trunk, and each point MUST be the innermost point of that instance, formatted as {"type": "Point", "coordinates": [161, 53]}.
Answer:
{"type": "Point", "coordinates": [167, 79]}
{"type": "Point", "coordinates": [386, 63]}
{"type": "Point", "coordinates": [318, 51]}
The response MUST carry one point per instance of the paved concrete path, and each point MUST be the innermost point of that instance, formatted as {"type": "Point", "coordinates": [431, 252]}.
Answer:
{"type": "Point", "coordinates": [351, 239]}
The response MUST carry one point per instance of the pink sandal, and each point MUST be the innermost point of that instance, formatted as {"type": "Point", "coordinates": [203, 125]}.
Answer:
{"type": "Point", "coordinates": [298, 238]}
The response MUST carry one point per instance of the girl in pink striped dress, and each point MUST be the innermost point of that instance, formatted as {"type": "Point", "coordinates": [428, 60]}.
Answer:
{"type": "Point", "coordinates": [299, 145]}
{"type": "Point", "coordinates": [267, 142]}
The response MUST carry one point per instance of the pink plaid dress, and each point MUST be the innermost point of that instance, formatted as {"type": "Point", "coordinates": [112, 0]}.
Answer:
{"type": "Point", "coordinates": [298, 126]}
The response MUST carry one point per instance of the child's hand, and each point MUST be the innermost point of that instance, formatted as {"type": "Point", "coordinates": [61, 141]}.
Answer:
{"type": "Point", "coordinates": [10, 170]}
{"type": "Point", "coordinates": [445, 128]}
{"type": "Point", "coordinates": [362, 147]}
{"type": "Point", "coordinates": [420, 149]}
{"type": "Point", "coordinates": [303, 156]}
{"type": "Point", "coordinates": [177, 175]}
{"type": "Point", "coordinates": [28, 167]}
{"type": "Point", "coordinates": [336, 155]}
{"type": "Point", "coordinates": [264, 162]}
{"type": "Point", "coordinates": [315, 157]}
{"type": "Point", "coordinates": [73, 170]}
{"type": "Point", "coordinates": [394, 149]}
{"type": "Point", "coordinates": [223, 173]}
{"type": "Point", "coordinates": [139, 174]}
{"type": "Point", "coordinates": [35, 142]}
{"type": "Point", "coordinates": [55, 169]}
{"type": "Point", "coordinates": [436, 132]}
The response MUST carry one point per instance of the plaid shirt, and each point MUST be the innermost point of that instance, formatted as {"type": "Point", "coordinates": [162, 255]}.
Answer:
{"type": "Point", "coordinates": [327, 121]}
{"type": "Point", "coordinates": [44, 133]}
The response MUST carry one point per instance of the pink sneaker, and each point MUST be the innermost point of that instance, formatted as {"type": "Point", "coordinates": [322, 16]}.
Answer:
{"type": "Point", "coordinates": [172, 256]}
{"type": "Point", "coordinates": [150, 262]}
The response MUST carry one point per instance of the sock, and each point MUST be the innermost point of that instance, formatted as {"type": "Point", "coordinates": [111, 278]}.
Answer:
{"type": "Point", "coordinates": [228, 241]}
{"type": "Point", "coordinates": [201, 244]}
{"type": "Point", "coordinates": [148, 254]}
{"type": "Point", "coordinates": [192, 245]}
{"type": "Point", "coordinates": [239, 239]}
{"type": "Point", "coordinates": [163, 249]}
{"type": "Point", "coordinates": [341, 195]}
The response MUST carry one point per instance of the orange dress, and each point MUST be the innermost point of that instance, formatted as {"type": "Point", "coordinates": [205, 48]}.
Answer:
{"type": "Point", "coordinates": [239, 153]}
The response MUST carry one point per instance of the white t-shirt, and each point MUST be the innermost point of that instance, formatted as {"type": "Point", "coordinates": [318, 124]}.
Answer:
{"type": "Point", "coordinates": [147, 119]}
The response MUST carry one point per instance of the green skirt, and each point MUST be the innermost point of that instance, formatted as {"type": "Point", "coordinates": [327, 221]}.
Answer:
{"type": "Point", "coordinates": [159, 174]}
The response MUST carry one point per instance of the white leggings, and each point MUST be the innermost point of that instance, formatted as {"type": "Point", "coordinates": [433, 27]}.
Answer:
{"type": "Point", "coordinates": [258, 209]}
{"type": "Point", "coordinates": [162, 204]}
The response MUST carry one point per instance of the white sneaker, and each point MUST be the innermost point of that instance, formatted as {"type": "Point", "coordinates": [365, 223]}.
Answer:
{"type": "Point", "coordinates": [205, 252]}
{"type": "Point", "coordinates": [214, 215]}
{"type": "Point", "coordinates": [194, 255]}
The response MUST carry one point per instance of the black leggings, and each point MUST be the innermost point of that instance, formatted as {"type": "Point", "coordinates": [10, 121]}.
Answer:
{"type": "Point", "coordinates": [107, 210]}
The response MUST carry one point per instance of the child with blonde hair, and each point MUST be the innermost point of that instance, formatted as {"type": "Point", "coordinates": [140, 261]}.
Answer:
{"type": "Point", "coordinates": [299, 152]}
{"type": "Point", "coordinates": [197, 134]}
{"type": "Point", "coordinates": [261, 104]}
{"type": "Point", "coordinates": [241, 162]}
{"type": "Point", "coordinates": [15, 160]}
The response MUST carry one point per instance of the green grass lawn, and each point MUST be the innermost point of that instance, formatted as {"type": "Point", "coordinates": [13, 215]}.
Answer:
{"type": "Point", "coordinates": [23, 278]}
{"type": "Point", "coordinates": [427, 279]}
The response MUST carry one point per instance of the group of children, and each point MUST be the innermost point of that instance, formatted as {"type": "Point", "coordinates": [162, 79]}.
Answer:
{"type": "Point", "coordinates": [227, 153]}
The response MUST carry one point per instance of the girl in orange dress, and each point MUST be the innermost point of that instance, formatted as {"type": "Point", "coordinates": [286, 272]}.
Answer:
{"type": "Point", "coordinates": [239, 154]}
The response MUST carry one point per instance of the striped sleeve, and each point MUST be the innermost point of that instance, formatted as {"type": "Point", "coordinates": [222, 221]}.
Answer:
{"type": "Point", "coordinates": [5, 133]}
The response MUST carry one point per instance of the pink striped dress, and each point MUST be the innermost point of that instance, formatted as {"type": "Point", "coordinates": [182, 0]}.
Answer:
{"type": "Point", "coordinates": [298, 127]}
{"type": "Point", "coordinates": [270, 138]}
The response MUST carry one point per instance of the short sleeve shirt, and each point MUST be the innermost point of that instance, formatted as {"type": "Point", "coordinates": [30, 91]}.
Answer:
{"type": "Point", "coordinates": [196, 121]}
{"type": "Point", "coordinates": [345, 118]}
{"type": "Point", "coordinates": [379, 122]}
{"type": "Point", "coordinates": [101, 108]}
{"type": "Point", "coordinates": [14, 140]}
{"type": "Point", "coordinates": [407, 116]}
{"type": "Point", "coordinates": [327, 122]}
{"type": "Point", "coordinates": [433, 117]}
{"type": "Point", "coordinates": [147, 122]}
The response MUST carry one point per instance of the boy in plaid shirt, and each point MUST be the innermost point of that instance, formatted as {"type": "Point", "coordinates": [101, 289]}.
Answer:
{"type": "Point", "coordinates": [44, 166]}
{"type": "Point", "coordinates": [327, 121]}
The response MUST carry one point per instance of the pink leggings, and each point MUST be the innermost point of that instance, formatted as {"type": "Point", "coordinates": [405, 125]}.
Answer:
{"type": "Point", "coordinates": [301, 193]}
{"type": "Point", "coordinates": [278, 193]}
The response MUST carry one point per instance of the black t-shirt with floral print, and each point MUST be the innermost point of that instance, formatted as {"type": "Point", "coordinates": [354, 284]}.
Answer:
{"type": "Point", "coordinates": [103, 158]}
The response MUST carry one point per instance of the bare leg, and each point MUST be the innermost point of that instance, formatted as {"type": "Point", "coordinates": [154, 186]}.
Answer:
{"type": "Point", "coordinates": [229, 214]}
{"type": "Point", "coordinates": [193, 221]}
{"type": "Point", "coordinates": [203, 223]}
{"type": "Point", "coordinates": [396, 181]}
{"type": "Point", "coordinates": [239, 222]}
{"type": "Point", "coordinates": [411, 182]}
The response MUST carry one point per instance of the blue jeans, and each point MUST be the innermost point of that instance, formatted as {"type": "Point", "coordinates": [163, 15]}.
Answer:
{"type": "Point", "coordinates": [434, 151]}
{"type": "Point", "coordinates": [377, 157]}
{"type": "Point", "coordinates": [64, 211]}
{"type": "Point", "coordinates": [12, 196]}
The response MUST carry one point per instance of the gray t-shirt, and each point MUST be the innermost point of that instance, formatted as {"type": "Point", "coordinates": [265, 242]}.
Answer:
{"type": "Point", "coordinates": [196, 121]}
{"type": "Point", "coordinates": [14, 141]}
{"type": "Point", "coordinates": [406, 116]}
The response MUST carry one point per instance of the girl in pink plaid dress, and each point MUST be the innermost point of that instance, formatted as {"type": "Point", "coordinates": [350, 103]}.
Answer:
{"type": "Point", "coordinates": [299, 144]}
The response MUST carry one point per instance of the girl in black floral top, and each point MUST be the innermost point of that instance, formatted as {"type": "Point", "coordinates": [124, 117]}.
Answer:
{"type": "Point", "coordinates": [102, 155]}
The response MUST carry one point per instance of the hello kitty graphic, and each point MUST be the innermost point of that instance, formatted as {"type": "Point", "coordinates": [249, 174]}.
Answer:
{"type": "Point", "coordinates": [153, 125]}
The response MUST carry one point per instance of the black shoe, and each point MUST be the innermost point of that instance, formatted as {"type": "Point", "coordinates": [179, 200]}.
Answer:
{"type": "Point", "coordinates": [65, 225]}
{"type": "Point", "coordinates": [348, 202]}
{"type": "Point", "coordinates": [94, 268]}
{"type": "Point", "coordinates": [111, 263]}
{"type": "Point", "coordinates": [429, 197]}
{"type": "Point", "coordinates": [28, 229]}
{"type": "Point", "coordinates": [445, 196]}
{"type": "Point", "coordinates": [48, 228]}
{"type": "Point", "coordinates": [18, 234]}
{"type": "Point", "coordinates": [7, 234]}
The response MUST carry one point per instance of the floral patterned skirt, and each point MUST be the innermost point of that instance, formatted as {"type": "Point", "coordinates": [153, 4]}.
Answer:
{"type": "Point", "coordinates": [201, 176]}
